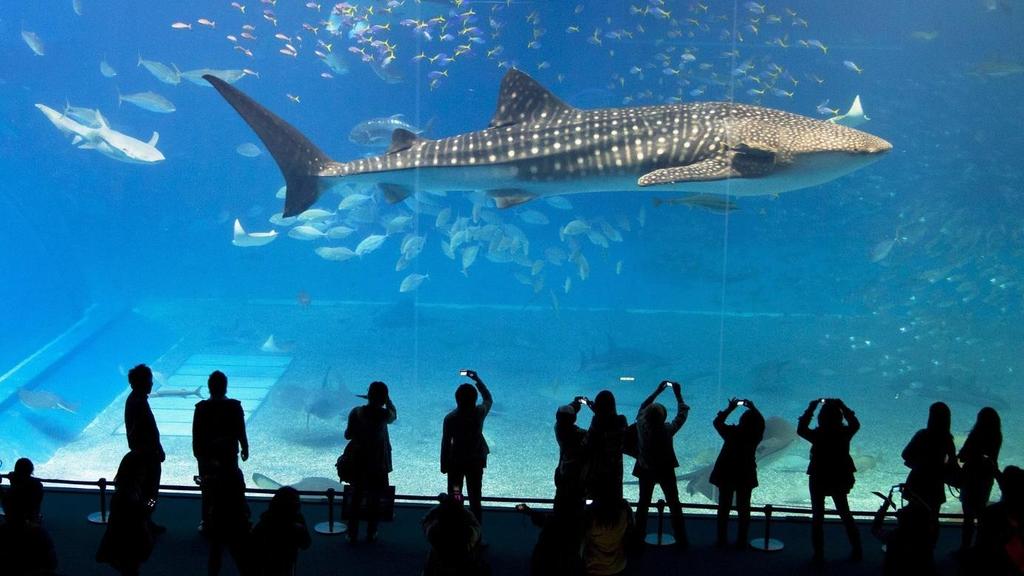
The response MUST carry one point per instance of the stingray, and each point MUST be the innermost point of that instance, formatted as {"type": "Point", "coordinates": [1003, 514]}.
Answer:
{"type": "Point", "coordinates": [45, 400]}
{"type": "Point", "coordinates": [309, 484]}
{"type": "Point", "coordinates": [778, 435]}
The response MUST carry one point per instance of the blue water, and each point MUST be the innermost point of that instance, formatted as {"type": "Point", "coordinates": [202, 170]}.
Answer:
{"type": "Point", "coordinates": [786, 297]}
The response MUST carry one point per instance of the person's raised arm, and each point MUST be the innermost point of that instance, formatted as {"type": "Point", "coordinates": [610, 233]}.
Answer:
{"type": "Point", "coordinates": [803, 425]}
{"type": "Point", "coordinates": [485, 394]}
{"type": "Point", "coordinates": [391, 411]}
{"type": "Point", "coordinates": [852, 423]}
{"type": "Point", "coordinates": [682, 409]}
{"type": "Point", "coordinates": [719, 421]}
{"type": "Point", "coordinates": [650, 399]}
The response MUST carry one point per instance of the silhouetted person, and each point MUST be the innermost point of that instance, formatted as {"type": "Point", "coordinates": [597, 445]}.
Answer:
{"type": "Point", "coordinates": [218, 432]}
{"type": "Point", "coordinates": [25, 546]}
{"type": "Point", "coordinates": [25, 496]}
{"type": "Point", "coordinates": [908, 546]}
{"type": "Point", "coordinates": [980, 458]}
{"type": "Point", "coordinates": [368, 428]}
{"type": "Point", "coordinates": [606, 526]}
{"type": "Point", "coordinates": [603, 477]}
{"type": "Point", "coordinates": [227, 526]}
{"type": "Point", "coordinates": [463, 447]}
{"type": "Point", "coordinates": [928, 455]}
{"type": "Point", "coordinates": [735, 471]}
{"type": "Point", "coordinates": [143, 436]}
{"type": "Point", "coordinates": [656, 461]}
{"type": "Point", "coordinates": [454, 535]}
{"type": "Point", "coordinates": [128, 540]}
{"type": "Point", "coordinates": [999, 550]}
{"type": "Point", "coordinates": [279, 535]}
{"type": "Point", "coordinates": [831, 469]}
{"type": "Point", "coordinates": [557, 552]}
{"type": "Point", "coordinates": [572, 456]}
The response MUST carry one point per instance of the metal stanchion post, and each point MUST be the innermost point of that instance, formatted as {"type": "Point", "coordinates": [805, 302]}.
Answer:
{"type": "Point", "coordinates": [101, 516]}
{"type": "Point", "coordinates": [767, 544]}
{"type": "Point", "coordinates": [659, 538]}
{"type": "Point", "coordinates": [330, 527]}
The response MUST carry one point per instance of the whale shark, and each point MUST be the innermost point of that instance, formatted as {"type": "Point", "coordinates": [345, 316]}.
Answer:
{"type": "Point", "coordinates": [537, 145]}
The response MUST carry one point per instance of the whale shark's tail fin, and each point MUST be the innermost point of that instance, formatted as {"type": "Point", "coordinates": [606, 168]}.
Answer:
{"type": "Point", "coordinates": [299, 159]}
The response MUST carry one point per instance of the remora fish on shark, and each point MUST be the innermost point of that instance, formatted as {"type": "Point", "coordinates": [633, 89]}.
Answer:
{"type": "Point", "coordinates": [537, 145]}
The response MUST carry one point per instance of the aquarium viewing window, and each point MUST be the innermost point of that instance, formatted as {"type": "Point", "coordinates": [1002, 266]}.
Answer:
{"type": "Point", "coordinates": [778, 201]}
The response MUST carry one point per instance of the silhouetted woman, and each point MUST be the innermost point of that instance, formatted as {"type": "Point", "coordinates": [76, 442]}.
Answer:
{"type": "Point", "coordinates": [464, 449]}
{"type": "Point", "coordinates": [735, 471]}
{"type": "Point", "coordinates": [980, 458]}
{"type": "Point", "coordinates": [603, 476]}
{"type": "Point", "coordinates": [656, 461]}
{"type": "Point", "coordinates": [368, 428]}
{"type": "Point", "coordinates": [279, 535]}
{"type": "Point", "coordinates": [927, 455]}
{"type": "Point", "coordinates": [831, 469]}
{"type": "Point", "coordinates": [25, 496]}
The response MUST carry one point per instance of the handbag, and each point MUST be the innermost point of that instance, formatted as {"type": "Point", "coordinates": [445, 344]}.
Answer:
{"type": "Point", "coordinates": [348, 463]}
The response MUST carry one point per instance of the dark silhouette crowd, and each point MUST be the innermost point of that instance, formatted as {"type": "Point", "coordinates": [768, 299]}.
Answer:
{"type": "Point", "coordinates": [590, 529]}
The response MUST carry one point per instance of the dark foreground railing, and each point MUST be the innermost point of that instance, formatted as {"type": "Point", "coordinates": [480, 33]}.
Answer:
{"type": "Point", "coordinates": [329, 497]}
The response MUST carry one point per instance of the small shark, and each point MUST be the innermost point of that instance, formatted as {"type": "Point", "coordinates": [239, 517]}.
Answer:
{"type": "Point", "coordinates": [104, 139]}
{"type": "Point", "coordinates": [177, 393]}
{"type": "Point", "coordinates": [537, 145]}
{"type": "Point", "coordinates": [617, 357]}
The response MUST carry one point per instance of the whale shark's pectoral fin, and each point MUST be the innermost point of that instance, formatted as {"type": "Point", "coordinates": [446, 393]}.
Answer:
{"type": "Point", "coordinates": [505, 197]}
{"type": "Point", "coordinates": [402, 139]}
{"type": "Point", "coordinates": [76, 140]}
{"type": "Point", "coordinates": [394, 193]}
{"type": "Point", "coordinates": [703, 171]}
{"type": "Point", "coordinates": [154, 139]}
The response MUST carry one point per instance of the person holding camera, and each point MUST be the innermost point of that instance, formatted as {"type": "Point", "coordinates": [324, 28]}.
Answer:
{"type": "Point", "coordinates": [463, 446]}
{"type": "Point", "coordinates": [831, 470]}
{"type": "Point", "coordinates": [571, 456]}
{"type": "Point", "coordinates": [735, 471]}
{"type": "Point", "coordinates": [368, 429]}
{"type": "Point", "coordinates": [656, 459]}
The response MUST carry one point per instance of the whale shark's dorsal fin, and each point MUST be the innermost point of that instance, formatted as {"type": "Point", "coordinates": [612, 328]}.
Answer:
{"type": "Point", "coordinates": [402, 139]}
{"type": "Point", "coordinates": [523, 99]}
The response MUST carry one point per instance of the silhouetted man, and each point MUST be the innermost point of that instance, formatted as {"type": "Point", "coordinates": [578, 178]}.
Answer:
{"type": "Point", "coordinates": [218, 431]}
{"type": "Point", "coordinates": [143, 435]}
{"type": "Point", "coordinates": [463, 447]}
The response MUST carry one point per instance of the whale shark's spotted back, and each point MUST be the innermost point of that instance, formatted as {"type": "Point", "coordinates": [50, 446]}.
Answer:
{"type": "Point", "coordinates": [535, 144]}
